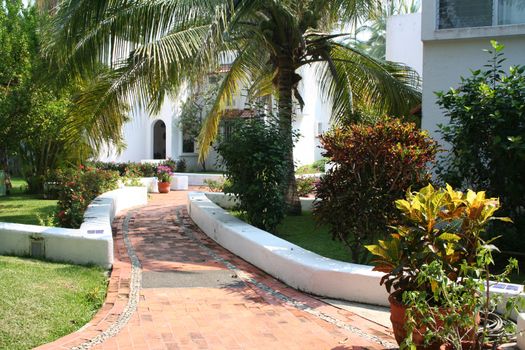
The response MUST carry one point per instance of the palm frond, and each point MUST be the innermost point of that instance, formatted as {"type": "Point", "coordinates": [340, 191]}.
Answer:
{"type": "Point", "coordinates": [354, 79]}
{"type": "Point", "coordinates": [247, 64]}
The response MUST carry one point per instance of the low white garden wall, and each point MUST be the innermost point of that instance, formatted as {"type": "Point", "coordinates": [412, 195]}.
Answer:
{"type": "Point", "coordinates": [289, 263]}
{"type": "Point", "coordinates": [92, 243]}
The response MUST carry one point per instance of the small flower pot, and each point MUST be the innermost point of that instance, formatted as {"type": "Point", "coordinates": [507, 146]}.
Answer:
{"type": "Point", "coordinates": [164, 187]}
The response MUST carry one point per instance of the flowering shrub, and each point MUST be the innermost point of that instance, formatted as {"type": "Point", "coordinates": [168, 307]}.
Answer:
{"type": "Point", "coordinates": [78, 187]}
{"type": "Point", "coordinates": [374, 165]}
{"type": "Point", "coordinates": [164, 173]}
{"type": "Point", "coordinates": [178, 166]}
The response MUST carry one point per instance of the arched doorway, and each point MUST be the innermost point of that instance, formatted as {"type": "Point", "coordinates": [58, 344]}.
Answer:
{"type": "Point", "coordinates": [159, 140]}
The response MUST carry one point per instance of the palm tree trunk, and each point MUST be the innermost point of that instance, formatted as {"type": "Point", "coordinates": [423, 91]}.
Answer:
{"type": "Point", "coordinates": [285, 85]}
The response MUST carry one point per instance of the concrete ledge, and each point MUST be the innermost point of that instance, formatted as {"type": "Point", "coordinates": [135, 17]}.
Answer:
{"type": "Point", "coordinates": [92, 243]}
{"type": "Point", "coordinates": [520, 335]}
{"type": "Point", "coordinates": [196, 179]}
{"type": "Point", "coordinates": [289, 263]}
{"type": "Point", "coordinates": [228, 201]}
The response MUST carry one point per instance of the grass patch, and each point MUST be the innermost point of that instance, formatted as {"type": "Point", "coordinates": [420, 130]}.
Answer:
{"type": "Point", "coordinates": [304, 232]}
{"type": "Point", "coordinates": [43, 301]}
{"type": "Point", "coordinates": [23, 208]}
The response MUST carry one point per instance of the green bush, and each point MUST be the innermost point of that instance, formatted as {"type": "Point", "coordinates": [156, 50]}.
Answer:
{"type": "Point", "coordinates": [315, 167]}
{"type": "Point", "coordinates": [487, 137]}
{"type": "Point", "coordinates": [78, 187]}
{"type": "Point", "coordinates": [128, 169]}
{"type": "Point", "coordinates": [306, 185]}
{"type": "Point", "coordinates": [254, 158]}
{"type": "Point", "coordinates": [216, 185]}
{"type": "Point", "coordinates": [181, 166]}
{"type": "Point", "coordinates": [373, 166]}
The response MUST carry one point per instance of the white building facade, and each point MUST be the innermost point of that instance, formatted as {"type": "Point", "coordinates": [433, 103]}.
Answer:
{"type": "Point", "coordinates": [453, 35]}
{"type": "Point", "coordinates": [160, 137]}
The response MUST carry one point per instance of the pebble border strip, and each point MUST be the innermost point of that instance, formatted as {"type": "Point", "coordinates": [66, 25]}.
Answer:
{"type": "Point", "coordinates": [134, 293]}
{"type": "Point", "coordinates": [288, 300]}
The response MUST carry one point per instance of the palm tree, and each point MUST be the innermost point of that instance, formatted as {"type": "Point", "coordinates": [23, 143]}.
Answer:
{"type": "Point", "coordinates": [155, 47]}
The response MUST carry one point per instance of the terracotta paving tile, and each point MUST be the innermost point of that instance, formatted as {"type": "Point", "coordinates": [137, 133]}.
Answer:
{"type": "Point", "coordinates": [240, 316]}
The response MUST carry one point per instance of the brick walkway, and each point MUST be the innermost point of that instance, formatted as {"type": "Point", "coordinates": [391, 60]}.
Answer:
{"type": "Point", "coordinates": [193, 296]}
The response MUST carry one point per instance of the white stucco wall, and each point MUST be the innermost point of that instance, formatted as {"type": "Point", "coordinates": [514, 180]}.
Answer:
{"type": "Point", "coordinates": [403, 40]}
{"type": "Point", "coordinates": [92, 243]}
{"type": "Point", "coordinates": [138, 133]}
{"type": "Point", "coordinates": [313, 119]}
{"type": "Point", "coordinates": [451, 53]}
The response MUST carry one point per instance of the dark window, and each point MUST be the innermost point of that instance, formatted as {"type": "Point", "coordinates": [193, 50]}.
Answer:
{"type": "Point", "coordinates": [188, 143]}
{"type": "Point", "coordinates": [465, 13]}
{"type": "Point", "coordinates": [480, 13]}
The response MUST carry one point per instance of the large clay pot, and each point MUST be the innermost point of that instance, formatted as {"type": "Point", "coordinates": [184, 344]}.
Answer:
{"type": "Point", "coordinates": [164, 187]}
{"type": "Point", "coordinates": [398, 319]}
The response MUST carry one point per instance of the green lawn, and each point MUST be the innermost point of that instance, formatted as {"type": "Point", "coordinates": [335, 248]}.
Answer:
{"type": "Point", "coordinates": [42, 301]}
{"type": "Point", "coordinates": [20, 207]}
{"type": "Point", "coordinates": [303, 231]}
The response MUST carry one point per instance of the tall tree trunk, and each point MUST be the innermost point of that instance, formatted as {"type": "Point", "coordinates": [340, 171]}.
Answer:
{"type": "Point", "coordinates": [285, 84]}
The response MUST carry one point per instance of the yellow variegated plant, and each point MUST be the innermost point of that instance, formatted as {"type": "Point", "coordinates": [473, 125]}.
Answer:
{"type": "Point", "coordinates": [440, 224]}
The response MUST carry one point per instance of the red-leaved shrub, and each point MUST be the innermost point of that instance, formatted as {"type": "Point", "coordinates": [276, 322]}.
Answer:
{"type": "Point", "coordinates": [373, 166]}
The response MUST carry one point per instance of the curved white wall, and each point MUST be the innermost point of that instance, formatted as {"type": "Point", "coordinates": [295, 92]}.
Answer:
{"type": "Point", "coordinates": [92, 243]}
{"type": "Point", "coordinates": [289, 263]}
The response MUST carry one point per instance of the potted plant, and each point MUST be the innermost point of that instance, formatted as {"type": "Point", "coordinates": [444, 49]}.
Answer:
{"type": "Point", "coordinates": [436, 265]}
{"type": "Point", "coordinates": [164, 176]}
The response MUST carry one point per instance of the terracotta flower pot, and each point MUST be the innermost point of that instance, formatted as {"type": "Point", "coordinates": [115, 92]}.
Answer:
{"type": "Point", "coordinates": [164, 187]}
{"type": "Point", "coordinates": [398, 319]}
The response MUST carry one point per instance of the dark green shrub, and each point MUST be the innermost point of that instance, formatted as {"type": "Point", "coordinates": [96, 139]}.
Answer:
{"type": "Point", "coordinates": [129, 169]}
{"type": "Point", "coordinates": [254, 158]}
{"type": "Point", "coordinates": [487, 137]}
{"type": "Point", "coordinates": [374, 165]}
{"type": "Point", "coordinates": [78, 187]}
{"type": "Point", "coordinates": [181, 166]}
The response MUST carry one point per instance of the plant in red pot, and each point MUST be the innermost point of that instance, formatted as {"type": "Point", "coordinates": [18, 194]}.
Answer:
{"type": "Point", "coordinates": [436, 268]}
{"type": "Point", "coordinates": [164, 173]}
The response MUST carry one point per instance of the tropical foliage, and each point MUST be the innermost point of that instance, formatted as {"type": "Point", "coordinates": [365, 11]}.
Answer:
{"type": "Point", "coordinates": [36, 116]}
{"type": "Point", "coordinates": [373, 166]}
{"type": "Point", "coordinates": [157, 47]}
{"type": "Point", "coordinates": [438, 260]}
{"type": "Point", "coordinates": [486, 132]}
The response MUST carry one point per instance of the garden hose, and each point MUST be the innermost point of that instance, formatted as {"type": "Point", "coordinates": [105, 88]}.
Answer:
{"type": "Point", "coordinates": [495, 329]}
